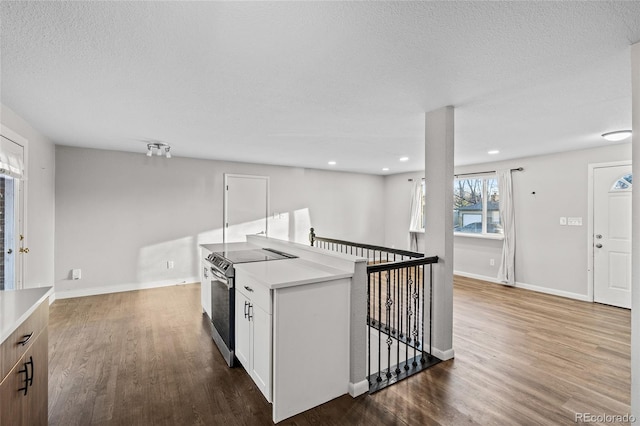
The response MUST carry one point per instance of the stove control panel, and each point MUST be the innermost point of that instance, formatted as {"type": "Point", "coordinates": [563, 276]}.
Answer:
{"type": "Point", "coordinates": [219, 262]}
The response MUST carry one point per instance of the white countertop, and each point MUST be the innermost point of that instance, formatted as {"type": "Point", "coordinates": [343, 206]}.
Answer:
{"type": "Point", "coordinates": [222, 247]}
{"type": "Point", "coordinates": [290, 272]}
{"type": "Point", "coordinates": [17, 305]}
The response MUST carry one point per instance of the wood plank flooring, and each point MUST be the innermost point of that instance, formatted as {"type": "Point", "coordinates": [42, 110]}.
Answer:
{"type": "Point", "coordinates": [522, 358]}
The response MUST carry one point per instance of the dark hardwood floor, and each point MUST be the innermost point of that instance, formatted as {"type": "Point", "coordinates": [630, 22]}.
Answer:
{"type": "Point", "coordinates": [146, 358]}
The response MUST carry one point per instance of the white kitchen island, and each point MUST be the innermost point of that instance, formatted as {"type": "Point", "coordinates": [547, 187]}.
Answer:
{"type": "Point", "coordinates": [295, 325]}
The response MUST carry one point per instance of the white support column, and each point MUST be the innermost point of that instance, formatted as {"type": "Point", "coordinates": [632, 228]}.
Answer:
{"type": "Point", "coordinates": [635, 276]}
{"type": "Point", "coordinates": [439, 144]}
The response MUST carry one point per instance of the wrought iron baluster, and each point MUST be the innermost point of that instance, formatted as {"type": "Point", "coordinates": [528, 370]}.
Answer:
{"type": "Point", "coordinates": [369, 327]}
{"type": "Point", "coordinates": [388, 304]}
{"type": "Point", "coordinates": [379, 303]}
{"type": "Point", "coordinates": [402, 307]}
{"type": "Point", "coordinates": [408, 316]}
{"type": "Point", "coordinates": [430, 309]}
{"type": "Point", "coordinates": [397, 310]}
{"type": "Point", "coordinates": [416, 305]}
{"type": "Point", "coordinates": [424, 292]}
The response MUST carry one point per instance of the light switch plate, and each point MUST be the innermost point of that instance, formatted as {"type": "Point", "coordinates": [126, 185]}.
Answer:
{"type": "Point", "coordinates": [563, 220]}
{"type": "Point", "coordinates": [574, 221]}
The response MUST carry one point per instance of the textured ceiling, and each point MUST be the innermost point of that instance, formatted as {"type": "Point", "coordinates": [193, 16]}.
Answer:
{"type": "Point", "coordinates": [303, 83]}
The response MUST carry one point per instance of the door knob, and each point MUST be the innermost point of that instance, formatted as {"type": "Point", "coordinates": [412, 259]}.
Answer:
{"type": "Point", "coordinates": [24, 249]}
{"type": "Point", "coordinates": [10, 251]}
{"type": "Point", "coordinates": [598, 245]}
{"type": "Point", "coordinates": [598, 236]}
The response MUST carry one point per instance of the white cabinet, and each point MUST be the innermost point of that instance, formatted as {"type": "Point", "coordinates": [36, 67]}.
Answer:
{"type": "Point", "coordinates": [205, 282]}
{"type": "Point", "coordinates": [293, 339]}
{"type": "Point", "coordinates": [243, 331]}
{"type": "Point", "coordinates": [254, 333]}
{"type": "Point", "coordinates": [205, 288]}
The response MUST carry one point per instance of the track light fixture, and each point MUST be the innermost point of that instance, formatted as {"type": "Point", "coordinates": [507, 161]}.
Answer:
{"type": "Point", "coordinates": [158, 148]}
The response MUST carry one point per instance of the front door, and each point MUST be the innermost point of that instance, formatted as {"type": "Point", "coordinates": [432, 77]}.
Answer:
{"type": "Point", "coordinates": [246, 203]}
{"type": "Point", "coordinates": [612, 235]}
{"type": "Point", "coordinates": [11, 214]}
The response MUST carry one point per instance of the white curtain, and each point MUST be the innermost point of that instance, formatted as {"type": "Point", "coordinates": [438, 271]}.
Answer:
{"type": "Point", "coordinates": [506, 273]}
{"type": "Point", "coordinates": [11, 163]}
{"type": "Point", "coordinates": [415, 224]}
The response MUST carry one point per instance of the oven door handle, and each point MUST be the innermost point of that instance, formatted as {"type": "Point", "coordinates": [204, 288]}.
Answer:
{"type": "Point", "coordinates": [221, 277]}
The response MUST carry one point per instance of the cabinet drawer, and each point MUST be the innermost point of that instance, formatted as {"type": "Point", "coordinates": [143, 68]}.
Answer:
{"type": "Point", "coordinates": [12, 349]}
{"type": "Point", "coordinates": [257, 293]}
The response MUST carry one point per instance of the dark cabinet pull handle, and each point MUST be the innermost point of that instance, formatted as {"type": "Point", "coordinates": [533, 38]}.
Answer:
{"type": "Point", "coordinates": [28, 380]}
{"type": "Point", "coordinates": [245, 309]}
{"type": "Point", "coordinates": [25, 339]}
{"type": "Point", "coordinates": [248, 288]}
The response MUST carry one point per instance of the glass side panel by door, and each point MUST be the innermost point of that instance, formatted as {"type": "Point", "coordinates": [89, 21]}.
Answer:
{"type": "Point", "coordinates": [8, 204]}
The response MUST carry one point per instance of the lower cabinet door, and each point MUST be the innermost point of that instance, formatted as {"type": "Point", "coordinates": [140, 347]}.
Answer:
{"type": "Point", "coordinates": [261, 351]}
{"type": "Point", "coordinates": [31, 372]}
{"type": "Point", "coordinates": [205, 290]}
{"type": "Point", "coordinates": [11, 398]}
{"type": "Point", "coordinates": [243, 331]}
{"type": "Point", "coordinates": [37, 400]}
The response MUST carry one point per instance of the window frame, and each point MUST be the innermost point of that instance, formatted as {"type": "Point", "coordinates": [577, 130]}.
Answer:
{"type": "Point", "coordinates": [485, 202]}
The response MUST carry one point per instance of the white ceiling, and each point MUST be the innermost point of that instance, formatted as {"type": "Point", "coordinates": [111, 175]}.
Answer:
{"type": "Point", "coordinates": [303, 83]}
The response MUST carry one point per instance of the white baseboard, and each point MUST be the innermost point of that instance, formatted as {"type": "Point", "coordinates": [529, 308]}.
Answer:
{"type": "Point", "coordinates": [118, 288]}
{"type": "Point", "coordinates": [357, 389]}
{"type": "Point", "coordinates": [443, 355]}
{"type": "Point", "coordinates": [478, 277]}
{"type": "Point", "coordinates": [546, 290]}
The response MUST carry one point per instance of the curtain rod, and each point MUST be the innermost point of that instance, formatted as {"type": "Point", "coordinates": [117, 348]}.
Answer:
{"type": "Point", "coordinates": [517, 169]}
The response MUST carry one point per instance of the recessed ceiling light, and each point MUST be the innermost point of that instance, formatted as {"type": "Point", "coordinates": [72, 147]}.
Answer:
{"type": "Point", "coordinates": [404, 158]}
{"type": "Point", "coordinates": [385, 169]}
{"type": "Point", "coordinates": [617, 135]}
{"type": "Point", "coordinates": [332, 163]}
{"type": "Point", "coordinates": [493, 152]}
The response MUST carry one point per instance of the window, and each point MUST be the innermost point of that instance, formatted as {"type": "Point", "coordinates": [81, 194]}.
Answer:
{"type": "Point", "coordinates": [625, 183]}
{"type": "Point", "coordinates": [476, 206]}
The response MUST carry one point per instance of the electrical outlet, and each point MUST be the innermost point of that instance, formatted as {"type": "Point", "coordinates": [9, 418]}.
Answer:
{"type": "Point", "coordinates": [492, 262]}
{"type": "Point", "coordinates": [76, 274]}
{"type": "Point", "coordinates": [563, 221]}
{"type": "Point", "coordinates": [169, 264]}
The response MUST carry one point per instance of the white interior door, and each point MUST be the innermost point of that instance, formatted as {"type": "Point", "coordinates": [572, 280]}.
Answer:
{"type": "Point", "coordinates": [612, 235]}
{"type": "Point", "coordinates": [246, 206]}
{"type": "Point", "coordinates": [11, 214]}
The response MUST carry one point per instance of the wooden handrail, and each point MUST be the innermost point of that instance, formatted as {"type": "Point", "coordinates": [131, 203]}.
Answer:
{"type": "Point", "coordinates": [379, 267]}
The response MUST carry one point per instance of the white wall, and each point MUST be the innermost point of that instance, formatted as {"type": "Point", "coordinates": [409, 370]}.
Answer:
{"type": "Point", "coordinates": [398, 191]}
{"type": "Point", "coordinates": [39, 234]}
{"type": "Point", "coordinates": [549, 257]}
{"type": "Point", "coordinates": [121, 216]}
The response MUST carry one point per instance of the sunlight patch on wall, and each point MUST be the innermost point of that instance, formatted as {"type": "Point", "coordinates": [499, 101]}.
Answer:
{"type": "Point", "coordinates": [301, 225]}
{"type": "Point", "coordinates": [180, 258]}
{"type": "Point", "coordinates": [153, 260]}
